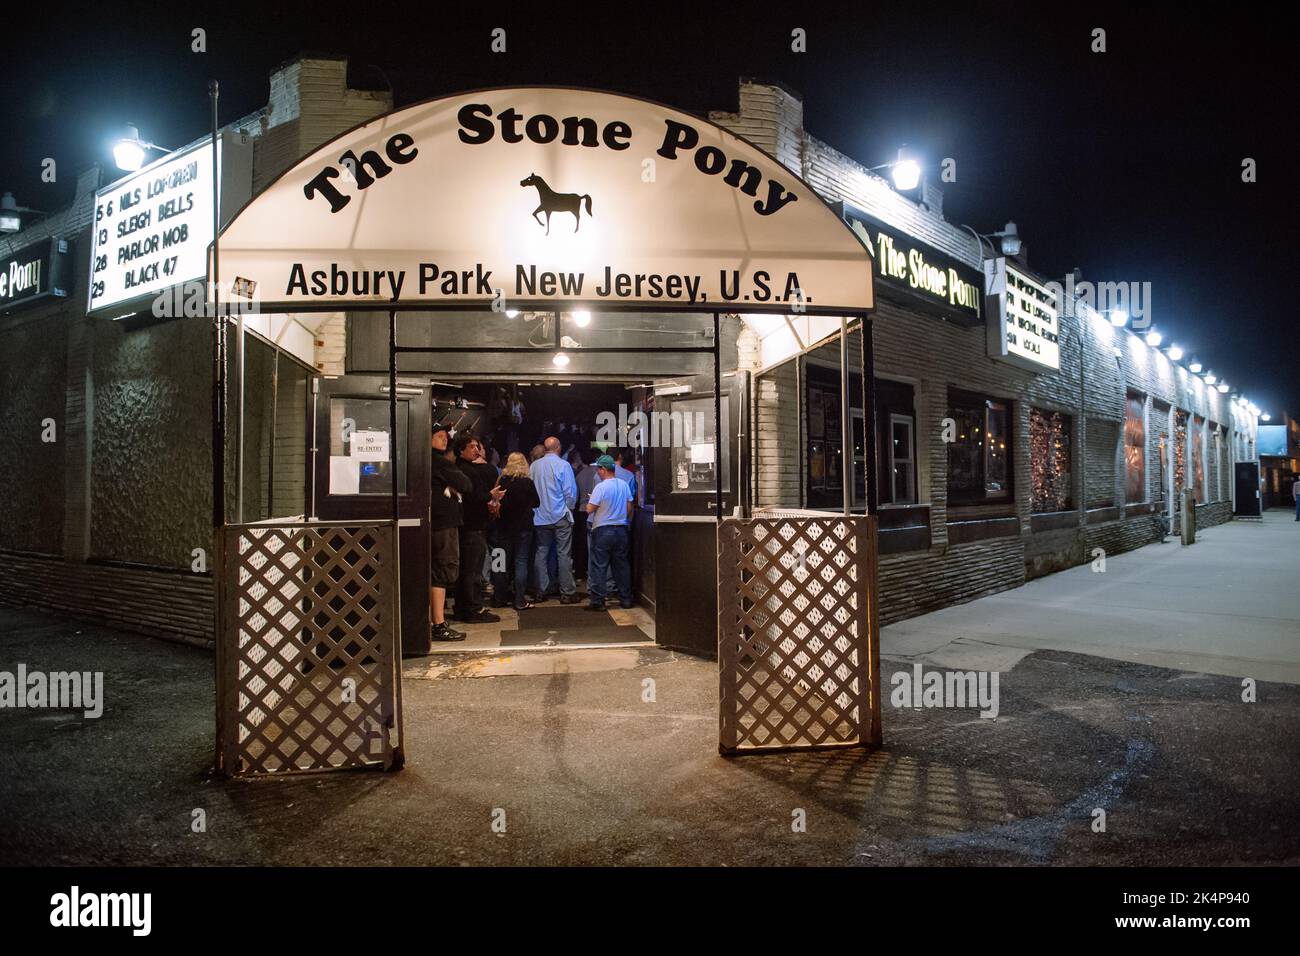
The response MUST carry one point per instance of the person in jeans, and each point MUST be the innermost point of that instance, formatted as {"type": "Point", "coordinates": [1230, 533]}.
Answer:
{"type": "Point", "coordinates": [621, 457]}
{"type": "Point", "coordinates": [448, 483]}
{"type": "Point", "coordinates": [586, 477]}
{"type": "Point", "coordinates": [557, 492]}
{"type": "Point", "coordinates": [473, 530]}
{"type": "Point", "coordinates": [610, 510]}
{"type": "Point", "coordinates": [515, 522]}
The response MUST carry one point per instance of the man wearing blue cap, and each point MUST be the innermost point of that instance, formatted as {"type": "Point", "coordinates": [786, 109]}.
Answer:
{"type": "Point", "coordinates": [610, 509]}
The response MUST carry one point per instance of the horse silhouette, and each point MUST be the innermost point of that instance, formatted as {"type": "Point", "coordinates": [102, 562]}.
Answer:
{"type": "Point", "coordinates": [550, 201]}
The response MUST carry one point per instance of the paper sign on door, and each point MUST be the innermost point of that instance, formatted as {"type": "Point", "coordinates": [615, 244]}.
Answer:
{"type": "Point", "coordinates": [369, 446]}
{"type": "Point", "coordinates": [345, 475]}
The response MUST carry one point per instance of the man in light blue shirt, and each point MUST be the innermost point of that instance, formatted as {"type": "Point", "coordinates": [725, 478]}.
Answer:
{"type": "Point", "coordinates": [610, 510]}
{"type": "Point", "coordinates": [553, 520]}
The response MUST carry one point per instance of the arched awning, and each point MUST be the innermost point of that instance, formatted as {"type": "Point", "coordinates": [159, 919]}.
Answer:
{"type": "Point", "coordinates": [446, 204]}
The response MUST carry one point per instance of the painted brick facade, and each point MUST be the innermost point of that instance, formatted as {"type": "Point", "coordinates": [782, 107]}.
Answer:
{"type": "Point", "coordinates": [115, 389]}
{"type": "Point", "coordinates": [131, 402]}
{"type": "Point", "coordinates": [1099, 366]}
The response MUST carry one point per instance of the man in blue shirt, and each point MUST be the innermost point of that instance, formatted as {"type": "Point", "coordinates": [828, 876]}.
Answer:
{"type": "Point", "coordinates": [553, 518]}
{"type": "Point", "coordinates": [610, 509]}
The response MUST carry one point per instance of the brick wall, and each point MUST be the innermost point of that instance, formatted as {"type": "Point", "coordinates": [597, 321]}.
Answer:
{"type": "Point", "coordinates": [168, 604]}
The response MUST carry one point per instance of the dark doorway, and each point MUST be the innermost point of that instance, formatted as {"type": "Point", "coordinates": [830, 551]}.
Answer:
{"type": "Point", "coordinates": [516, 417]}
{"type": "Point", "coordinates": [1247, 483]}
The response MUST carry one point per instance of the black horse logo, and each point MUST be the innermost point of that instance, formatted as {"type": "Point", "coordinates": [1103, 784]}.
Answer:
{"type": "Point", "coordinates": [550, 201]}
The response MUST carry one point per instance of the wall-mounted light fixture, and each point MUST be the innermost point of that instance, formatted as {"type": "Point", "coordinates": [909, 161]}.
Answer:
{"type": "Point", "coordinates": [1010, 239]}
{"type": "Point", "coordinates": [129, 152]}
{"type": "Point", "coordinates": [11, 214]}
{"type": "Point", "coordinates": [904, 171]}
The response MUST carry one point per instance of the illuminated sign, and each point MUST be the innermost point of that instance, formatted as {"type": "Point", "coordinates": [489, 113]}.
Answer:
{"type": "Point", "coordinates": [1023, 325]}
{"type": "Point", "coordinates": [924, 276]}
{"type": "Point", "coordinates": [33, 273]}
{"type": "Point", "coordinates": [543, 195]}
{"type": "Point", "coordinates": [151, 230]}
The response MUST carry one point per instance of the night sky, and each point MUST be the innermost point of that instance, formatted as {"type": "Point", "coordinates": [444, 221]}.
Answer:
{"type": "Point", "coordinates": [1126, 164]}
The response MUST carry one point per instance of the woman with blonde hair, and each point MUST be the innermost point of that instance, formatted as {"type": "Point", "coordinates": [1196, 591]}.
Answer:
{"type": "Point", "coordinates": [516, 522]}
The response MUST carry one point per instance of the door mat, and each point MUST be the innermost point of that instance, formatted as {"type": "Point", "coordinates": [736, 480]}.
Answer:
{"type": "Point", "coordinates": [554, 616]}
{"type": "Point", "coordinates": [594, 633]}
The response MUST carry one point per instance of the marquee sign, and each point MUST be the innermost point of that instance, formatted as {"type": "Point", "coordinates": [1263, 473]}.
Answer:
{"type": "Point", "coordinates": [1023, 325]}
{"type": "Point", "coordinates": [506, 197]}
{"type": "Point", "coordinates": [152, 229]}
{"type": "Point", "coordinates": [34, 272]}
{"type": "Point", "coordinates": [922, 275]}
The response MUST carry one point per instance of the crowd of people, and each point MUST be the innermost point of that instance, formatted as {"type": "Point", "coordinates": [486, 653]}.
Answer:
{"type": "Point", "coordinates": [534, 527]}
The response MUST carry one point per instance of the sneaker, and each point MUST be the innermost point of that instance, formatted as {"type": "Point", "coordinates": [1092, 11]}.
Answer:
{"type": "Point", "coordinates": [445, 632]}
{"type": "Point", "coordinates": [626, 604]}
{"type": "Point", "coordinates": [569, 599]}
{"type": "Point", "coordinates": [484, 616]}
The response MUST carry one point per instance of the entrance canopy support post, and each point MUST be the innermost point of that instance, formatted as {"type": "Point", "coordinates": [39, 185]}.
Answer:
{"type": "Point", "coordinates": [717, 417]}
{"type": "Point", "coordinates": [392, 412]}
{"type": "Point", "coordinates": [870, 443]}
{"type": "Point", "coordinates": [847, 478]}
{"type": "Point", "coordinates": [218, 342]}
{"type": "Point", "coordinates": [218, 453]}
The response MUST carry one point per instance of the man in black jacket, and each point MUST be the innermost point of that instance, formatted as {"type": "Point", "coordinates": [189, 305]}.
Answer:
{"type": "Point", "coordinates": [448, 485]}
{"type": "Point", "coordinates": [473, 531]}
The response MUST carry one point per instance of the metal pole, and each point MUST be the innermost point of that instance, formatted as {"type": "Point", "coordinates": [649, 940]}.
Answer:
{"type": "Point", "coordinates": [218, 343]}
{"type": "Point", "coordinates": [275, 415]}
{"type": "Point", "coordinates": [870, 442]}
{"type": "Point", "coordinates": [392, 412]}
{"type": "Point", "coordinates": [717, 415]}
{"type": "Point", "coordinates": [800, 404]}
{"type": "Point", "coordinates": [239, 420]}
{"type": "Point", "coordinates": [218, 462]}
{"type": "Point", "coordinates": [1083, 414]}
{"type": "Point", "coordinates": [846, 421]}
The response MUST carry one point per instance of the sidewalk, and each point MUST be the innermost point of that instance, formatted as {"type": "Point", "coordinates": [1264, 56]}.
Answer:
{"type": "Point", "coordinates": [1229, 605]}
